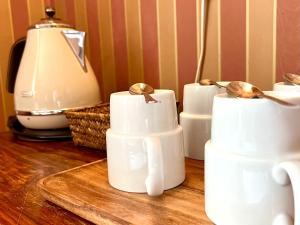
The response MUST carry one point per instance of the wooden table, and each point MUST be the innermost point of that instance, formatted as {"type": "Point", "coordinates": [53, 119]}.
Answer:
{"type": "Point", "coordinates": [22, 164]}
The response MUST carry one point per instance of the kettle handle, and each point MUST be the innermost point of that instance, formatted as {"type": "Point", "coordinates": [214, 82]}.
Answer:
{"type": "Point", "coordinates": [15, 56]}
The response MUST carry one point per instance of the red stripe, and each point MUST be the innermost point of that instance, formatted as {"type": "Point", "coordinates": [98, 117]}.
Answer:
{"type": "Point", "coordinates": [186, 43]}
{"type": "Point", "coordinates": [150, 42]}
{"type": "Point", "coordinates": [93, 35]}
{"type": "Point", "coordinates": [19, 17]}
{"type": "Point", "coordinates": [70, 12]}
{"type": "Point", "coordinates": [49, 3]}
{"type": "Point", "coordinates": [288, 38]}
{"type": "Point", "coordinates": [233, 40]}
{"type": "Point", "coordinates": [119, 36]}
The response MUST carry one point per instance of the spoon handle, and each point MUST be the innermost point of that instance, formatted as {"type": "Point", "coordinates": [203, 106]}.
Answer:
{"type": "Point", "coordinates": [277, 100]}
{"type": "Point", "coordinates": [218, 85]}
{"type": "Point", "coordinates": [148, 98]}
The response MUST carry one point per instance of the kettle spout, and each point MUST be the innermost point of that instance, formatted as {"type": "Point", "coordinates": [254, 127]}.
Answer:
{"type": "Point", "coordinates": [76, 39]}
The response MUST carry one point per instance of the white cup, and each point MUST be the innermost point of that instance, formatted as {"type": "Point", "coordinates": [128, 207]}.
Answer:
{"type": "Point", "coordinates": [252, 162]}
{"type": "Point", "coordinates": [256, 126]}
{"type": "Point", "coordinates": [196, 117]}
{"type": "Point", "coordinates": [144, 144]}
{"type": "Point", "coordinates": [130, 114]}
{"type": "Point", "coordinates": [281, 86]}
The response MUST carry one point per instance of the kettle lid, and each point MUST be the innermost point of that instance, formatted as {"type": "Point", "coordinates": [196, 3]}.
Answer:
{"type": "Point", "coordinates": [50, 21]}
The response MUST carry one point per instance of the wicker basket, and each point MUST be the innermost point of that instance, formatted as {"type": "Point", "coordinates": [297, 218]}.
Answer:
{"type": "Point", "coordinates": [88, 125]}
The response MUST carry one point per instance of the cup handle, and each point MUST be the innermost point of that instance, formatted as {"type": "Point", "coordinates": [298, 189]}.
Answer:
{"type": "Point", "coordinates": [285, 173]}
{"type": "Point", "coordinates": [155, 179]}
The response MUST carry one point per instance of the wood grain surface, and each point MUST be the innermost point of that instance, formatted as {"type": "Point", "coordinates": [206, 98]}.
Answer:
{"type": "Point", "coordinates": [86, 192]}
{"type": "Point", "coordinates": [22, 164]}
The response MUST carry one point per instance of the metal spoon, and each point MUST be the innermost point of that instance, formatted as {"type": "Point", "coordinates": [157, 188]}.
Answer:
{"type": "Point", "coordinates": [246, 90]}
{"type": "Point", "coordinates": [143, 89]}
{"type": "Point", "coordinates": [210, 82]}
{"type": "Point", "coordinates": [292, 78]}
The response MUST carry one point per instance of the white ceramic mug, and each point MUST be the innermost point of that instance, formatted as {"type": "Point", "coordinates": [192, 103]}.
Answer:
{"type": "Point", "coordinates": [281, 86]}
{"type": "Point", "coordinates": [130, 114]}
{"type": "Point", "coordinates": [144, 144]}
{"type": "Point", "coordinates": [196, 117]}
{"type": "Point", "coordinates": [252, 162]}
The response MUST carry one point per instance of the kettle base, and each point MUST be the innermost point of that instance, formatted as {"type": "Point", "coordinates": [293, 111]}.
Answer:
{"type": "Point", "coordinates": [37, 135]}
{"type": "Point", "coordinates": [44, 122]}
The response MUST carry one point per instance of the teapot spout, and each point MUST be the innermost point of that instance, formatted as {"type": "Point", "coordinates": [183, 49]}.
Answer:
{"type": "Point", "coordinates": [76, 39]}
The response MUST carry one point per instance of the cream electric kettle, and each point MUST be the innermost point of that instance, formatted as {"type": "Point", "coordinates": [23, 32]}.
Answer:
{"type": "Point", "coordinates": [52, 75]}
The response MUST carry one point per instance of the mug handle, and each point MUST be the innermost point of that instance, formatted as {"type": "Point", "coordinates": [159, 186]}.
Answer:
{"type": "Point", "coordinates": [155, 179]}
{"type": "Point", "coordinates": [285, 173]}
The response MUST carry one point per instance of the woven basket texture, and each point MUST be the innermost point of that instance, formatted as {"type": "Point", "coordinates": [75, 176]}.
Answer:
{"type": "Point", "coordinates": [88, 125]}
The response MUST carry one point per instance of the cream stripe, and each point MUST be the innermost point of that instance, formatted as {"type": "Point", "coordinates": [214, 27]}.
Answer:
{"type": "Point", "coordinates": [176, 50]}
{"type": "Point", "coordinates": [35, 10]}
{"type": "Point", "coordinates": [167, 45]}
{"type": "Point", "coordinates": [274, 41]}
{"type": "Point", "coordinates": [133, 37]}
{"type": "Point", "coordinates": [260, 48]}
{"type": "Point", "coordinates": [140, 34]}
{"type": "Point", "coordinates": [81, 22]}
{"type": "Point", "coordinates": [198, 10]}
{"type": "Point", "coordinates": [3, 114]}
{"type": "Point", "coordinates": [43, 6]}
{"type": "Point", "coordinates": [10, 19]}
{"type": "Point", "coordinates": [211, 61]}
{"type": "Point", "coordinates": [106, 46]}
{"type": "Point", "coordinates": [29, 12]}
{"type": "Point", "coordinates": [60, 9]}
{"type": "Point", "coordinates": [247, 39]}
{"type": "Point", "coordinates": [219, 41]}
{"type": "Point", "coordinates": [6, 41]}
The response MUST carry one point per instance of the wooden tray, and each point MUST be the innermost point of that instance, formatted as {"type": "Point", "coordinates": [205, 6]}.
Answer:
{"type": "Point", "coordinates": [86, 192]}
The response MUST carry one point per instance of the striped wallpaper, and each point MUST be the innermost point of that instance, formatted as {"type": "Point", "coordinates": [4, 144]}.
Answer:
{"type": "Point", "coordinates": [157, 41]}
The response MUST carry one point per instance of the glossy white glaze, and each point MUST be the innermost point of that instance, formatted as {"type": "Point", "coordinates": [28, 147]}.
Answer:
{"type": "Point", "coordinates": [130, 114]}
{"type": "Point", "coordinates": [128, 161]}
{"type": "Point", "coordinates": [44, 122]}
{"type": "Point", "coordinates": [198, 99]}
{"type": "Point", "coordinates": [242, 190]}
{"type": "Point", "coordinates": [51, 78]}
{"type": "Point", "coordinates": [252, 162]}
{"type": "Point", "coordinates": [144, 143]}
{"type": "Point", "coordinates": [196, 117]}
{"type": "Point", "coordinates": [196, 131]}
{"type": "Point", "coordinates": [281, 86]}
{"type": "Point", "coordinates": [257, 127]}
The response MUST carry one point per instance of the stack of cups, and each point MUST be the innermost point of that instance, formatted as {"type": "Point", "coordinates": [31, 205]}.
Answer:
{"type": "Point", "coordinates": [144, 143]}
{"type": "Point", "coordinates": [252, 162]}
{"type": "Point", "coordinates": [196, 117]}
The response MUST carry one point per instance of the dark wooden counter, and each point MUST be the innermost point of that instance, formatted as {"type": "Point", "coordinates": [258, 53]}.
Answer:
{"type": "Point", "coordinates": [22, 164]}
